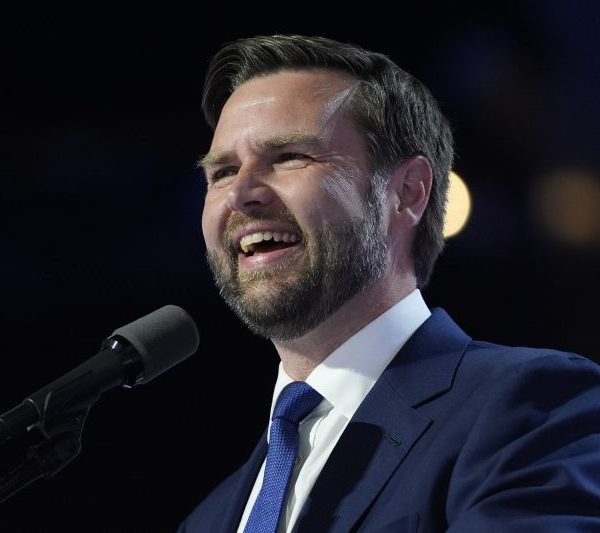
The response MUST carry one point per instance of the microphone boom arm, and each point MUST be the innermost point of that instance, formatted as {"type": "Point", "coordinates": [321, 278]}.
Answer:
{"type": "Point", "coordinates": [54, 407]}
{"type": "Point", "coordinates": [134, 354]}
{"type": "Point", "coordinates": [59, 411]}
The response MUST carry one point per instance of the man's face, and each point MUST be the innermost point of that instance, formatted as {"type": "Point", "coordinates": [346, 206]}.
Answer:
{"type": "Point", "coordinates": [293, 228]}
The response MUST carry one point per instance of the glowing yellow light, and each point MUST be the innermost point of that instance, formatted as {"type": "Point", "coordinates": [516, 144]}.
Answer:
{"type": "Point", "coordinates": [568, 205]}
{"type": "Point", "coordinates": [458, 207]}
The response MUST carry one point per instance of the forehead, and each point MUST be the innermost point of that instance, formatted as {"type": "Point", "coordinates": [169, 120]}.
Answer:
{"type": "Point", "coordinates": [308, 100]}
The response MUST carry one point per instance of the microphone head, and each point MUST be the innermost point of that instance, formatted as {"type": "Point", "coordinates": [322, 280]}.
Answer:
{"type": "Point", "coordinates": [163, 338]}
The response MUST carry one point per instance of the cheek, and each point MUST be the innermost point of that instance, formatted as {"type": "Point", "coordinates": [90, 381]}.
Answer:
{"type": "Point", "coordinates": [212, 223]}
{"type": "Point", "coordinates": [341, 190]}
{"type": "Point", "coordinates": [325, 196]}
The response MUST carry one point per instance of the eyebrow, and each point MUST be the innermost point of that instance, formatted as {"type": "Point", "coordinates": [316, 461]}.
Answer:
{"type": "Point", "coordinates": [277, 142]}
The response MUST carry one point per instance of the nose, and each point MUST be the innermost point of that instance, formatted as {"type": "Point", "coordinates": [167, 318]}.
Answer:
{"type": "Point", "coordinates": [249, 190]}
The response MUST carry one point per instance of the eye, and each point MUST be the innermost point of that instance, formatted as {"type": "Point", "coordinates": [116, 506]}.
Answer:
{"type": "Point", "coordinates": [221, 173]}
{"type": "Point", "coordinates": [291, 156]}
{"type": "Point", "coordinates": [292, 160]}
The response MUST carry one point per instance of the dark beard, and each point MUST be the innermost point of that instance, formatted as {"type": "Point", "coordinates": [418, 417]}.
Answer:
{"type": "Point", "coordinates": [340, 261]}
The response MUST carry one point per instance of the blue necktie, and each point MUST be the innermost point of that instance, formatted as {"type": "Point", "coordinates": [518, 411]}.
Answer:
{"type": "Point", "coordinates": [295, 402]}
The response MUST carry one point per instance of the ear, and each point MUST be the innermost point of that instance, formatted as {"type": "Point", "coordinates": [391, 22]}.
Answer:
{"type": "Point", "coordinates": [411, 186]}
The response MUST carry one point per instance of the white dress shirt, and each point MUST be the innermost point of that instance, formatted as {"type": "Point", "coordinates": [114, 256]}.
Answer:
{"type": "Point", "coordinates": [344, 379]}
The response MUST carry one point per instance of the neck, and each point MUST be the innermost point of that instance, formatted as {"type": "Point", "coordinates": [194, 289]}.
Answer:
{"type": "Point", "coordinates": [302, 355]}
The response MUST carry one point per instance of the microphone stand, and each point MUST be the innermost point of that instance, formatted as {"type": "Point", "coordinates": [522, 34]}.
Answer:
{"type": "Point", "coordinates": [59, 411]}
{"type": "Point", "coordinates": [133, 354]}
{"type": "Point", "coordinates": [61, 425]}
{"type": "Point", "coordinates": [43, 460]}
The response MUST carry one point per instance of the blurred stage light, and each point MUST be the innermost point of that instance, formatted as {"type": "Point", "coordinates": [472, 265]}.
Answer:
{"type": "Point", "coordinates": [458, 207]}
{"type": "Point", "coordinates": [568, 207]}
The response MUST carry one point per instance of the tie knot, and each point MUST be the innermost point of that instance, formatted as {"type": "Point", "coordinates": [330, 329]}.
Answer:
{"type": "Point", "coordinates": [295, 401]}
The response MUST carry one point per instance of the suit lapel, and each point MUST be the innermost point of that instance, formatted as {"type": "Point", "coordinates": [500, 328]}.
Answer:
{"type": "Point", "coordinates": [385, 427]}
{"type": "Point", "coordinates": [241, 490]}
{"type": "Point", "coordinates": [372, 446]}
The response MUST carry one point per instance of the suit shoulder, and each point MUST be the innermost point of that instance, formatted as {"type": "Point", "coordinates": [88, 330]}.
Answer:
{"type": "Point", "coordinates": [481, 356]}
{"type": "Point", "coordinates": [522, 372]}
{"type": "Point", "coordinates": [531, 435]}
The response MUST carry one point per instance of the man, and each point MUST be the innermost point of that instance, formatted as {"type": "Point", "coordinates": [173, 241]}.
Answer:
{"type": "Point", "coordinates": [327, 177]}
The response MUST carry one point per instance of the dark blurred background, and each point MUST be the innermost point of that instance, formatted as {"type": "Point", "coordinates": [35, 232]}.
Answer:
{"type": "Point", "coordinates": [100, 205]}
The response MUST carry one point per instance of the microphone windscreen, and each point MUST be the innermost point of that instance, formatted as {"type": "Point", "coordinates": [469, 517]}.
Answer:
{"type": "Point", "coordinates": [163, 338]}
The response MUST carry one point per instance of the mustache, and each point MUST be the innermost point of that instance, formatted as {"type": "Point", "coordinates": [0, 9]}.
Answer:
{"type": "Point", "coordinates": [237, 220]}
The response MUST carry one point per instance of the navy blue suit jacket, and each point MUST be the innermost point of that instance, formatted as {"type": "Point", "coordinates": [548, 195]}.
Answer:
{"type": "Point", "coordinates": [456, 435]}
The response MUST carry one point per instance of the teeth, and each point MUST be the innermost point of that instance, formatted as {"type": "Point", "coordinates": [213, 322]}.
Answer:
{"type": "Point", "coordinates": [247, 242]}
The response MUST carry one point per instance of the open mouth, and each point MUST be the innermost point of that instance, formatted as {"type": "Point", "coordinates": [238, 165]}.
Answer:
{"type": "Point", "coordinates": [266, 242]}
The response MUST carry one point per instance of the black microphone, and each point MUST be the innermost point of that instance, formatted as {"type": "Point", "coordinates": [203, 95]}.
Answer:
{"type": "Point", "coordinates": [133, 354]}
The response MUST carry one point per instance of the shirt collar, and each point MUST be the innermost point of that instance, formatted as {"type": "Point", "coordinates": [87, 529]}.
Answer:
{"type": "Point", "coordinates": [347, 375]}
